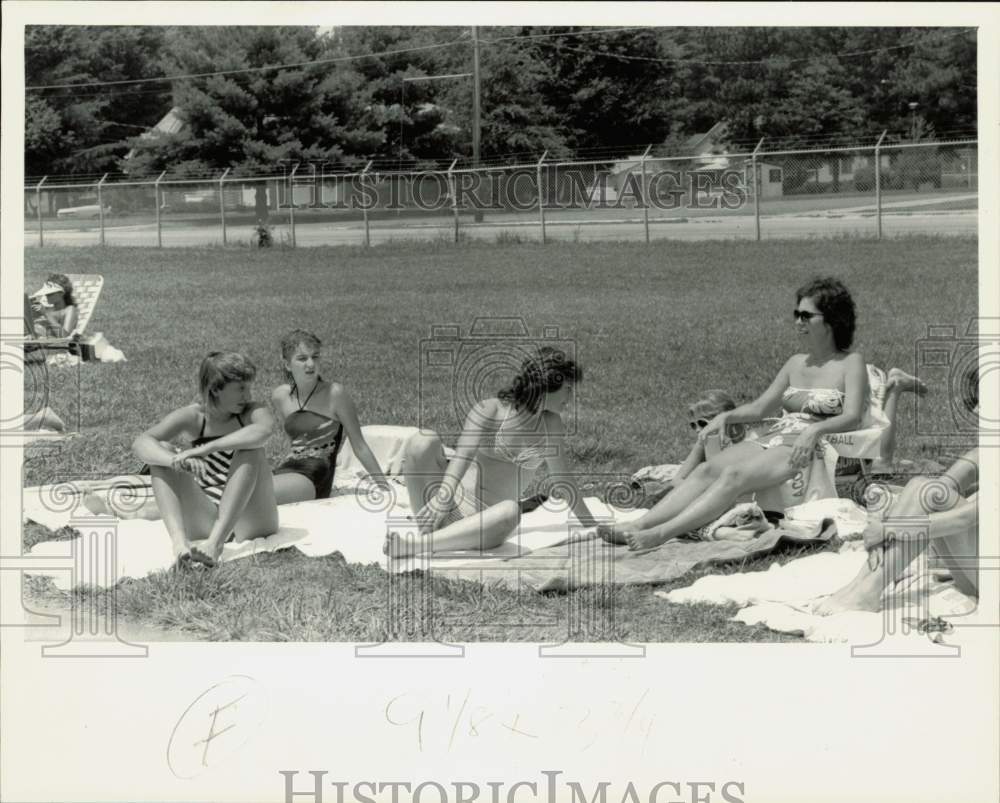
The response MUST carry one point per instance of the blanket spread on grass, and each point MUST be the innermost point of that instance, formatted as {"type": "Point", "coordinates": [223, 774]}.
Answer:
{"type": "Point", "coordinates": [783, 599]}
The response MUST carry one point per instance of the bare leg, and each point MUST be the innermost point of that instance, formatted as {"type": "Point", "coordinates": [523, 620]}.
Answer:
{"type": "Point", "coordinates": [762, 470]}
{"type": "Point", "coordinates": [955, 537]}
{"type": "Point", "coordinates": [485, 530]}
{"type": "Point", "coordinates": [291, 487]}
{"type": "Point", "coordinates": [187, 512]}
{"type": "Point", "coordinates": [424, 464]}
{"type": "Point", "coordinates": [689, 489]}
{"type": "Point", "coordinates": [898, 382]}
{"type": "Point", "coordinates": [247, 508]}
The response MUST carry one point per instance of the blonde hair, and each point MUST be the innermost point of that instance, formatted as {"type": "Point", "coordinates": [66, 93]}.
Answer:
{"type": "Point", "coordinates": [711, 403]}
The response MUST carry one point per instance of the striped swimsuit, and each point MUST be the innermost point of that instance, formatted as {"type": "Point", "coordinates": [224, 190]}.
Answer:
{"type": "Point", "coordinates": [217, 464]}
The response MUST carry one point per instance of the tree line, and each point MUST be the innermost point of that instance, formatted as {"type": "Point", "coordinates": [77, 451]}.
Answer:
{"type": "Point", "coordinates": [564, 90]}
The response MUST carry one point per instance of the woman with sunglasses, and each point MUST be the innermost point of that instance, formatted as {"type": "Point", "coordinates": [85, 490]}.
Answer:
{"type": "Point", "coordinates": [822, 390]}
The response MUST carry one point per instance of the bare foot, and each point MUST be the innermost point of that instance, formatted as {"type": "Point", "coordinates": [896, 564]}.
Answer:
{"type": "Point", "coordinates": [645, 539]}
{"type": "Point", "coordinates": [95, 504]}
{"type": "Point", "coordinates": [183, 561]}
{"type": "Point", "coordinates": [206, 552]}
{"type": "Point", "coordinates": [617, 533]}
{"type": "Point", "coordinates": [907, 383]}
{"type": "Point", "coordinates": [859, 595]}
{"type": "Point", "coordinates": [398, 546]}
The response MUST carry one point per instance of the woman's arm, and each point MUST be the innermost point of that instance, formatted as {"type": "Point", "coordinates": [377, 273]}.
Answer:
{"type": "Point", "coordinates": [754, 411]}
{"type": "Point", "coordinates": [558, 466]}
{"type": "Point", "coordinates": [69, 321]}
{"type": "Point", "coordinates": [343, 409]}
{"type": "Point", "coordinates": [250, 436]}
{"type": "Point", "coordinates": [466, 448]}
{"type": "Point", "coordinates": [147, 445]}
{"type": "Point", "coordinates": [695, 457]}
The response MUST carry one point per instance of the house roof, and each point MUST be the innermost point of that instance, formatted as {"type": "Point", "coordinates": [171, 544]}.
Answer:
{"type": "Point", "coordinates": [171, 123]}
{"type": "Point", "coordinates": [696, 143]}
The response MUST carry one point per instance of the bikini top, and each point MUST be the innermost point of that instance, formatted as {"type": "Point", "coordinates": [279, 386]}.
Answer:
{"type": "Point", "coordinates": [524, 450]}
{"type": "Point", "coordinates": [823, 402]}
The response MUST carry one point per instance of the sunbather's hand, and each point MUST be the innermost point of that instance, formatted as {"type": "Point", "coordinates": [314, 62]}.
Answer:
{"type": "Point", "coordinates": [430, 517]}
{"type": "Point", "coordinates": [193, 464]}
{"type": "Point", "coordinates": [716, 428]}
{"type": "Point", "coordinates": [803, 449]}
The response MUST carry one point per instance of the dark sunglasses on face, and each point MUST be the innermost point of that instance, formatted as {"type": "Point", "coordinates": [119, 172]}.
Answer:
{"type": "Point", "coordinates": [804, 315]}
{"type": "Point", "coordinates": [701, 423]}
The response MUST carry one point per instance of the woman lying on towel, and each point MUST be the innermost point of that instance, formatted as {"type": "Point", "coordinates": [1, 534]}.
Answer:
{"type": "Point", "coordinates": [821, 391]}
{"type": "Point", "coordinates": [315, 414]}
{"type": "Point", "coordinates": [473, 500]}
{"type": "Point", "coordinates": [220, 488]}
{"type": "Point", "coordinates": [949, 503]}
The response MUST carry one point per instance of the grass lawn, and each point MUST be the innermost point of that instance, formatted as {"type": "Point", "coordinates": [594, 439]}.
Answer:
{"type": "Point", "coordinates": [652, 325]}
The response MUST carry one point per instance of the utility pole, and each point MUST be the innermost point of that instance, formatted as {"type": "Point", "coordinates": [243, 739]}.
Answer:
{"type": "Point", "coordinates": [475, 107]}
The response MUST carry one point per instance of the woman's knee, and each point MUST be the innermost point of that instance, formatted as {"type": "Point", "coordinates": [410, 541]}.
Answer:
{"type": "Point", "coordinates": [421, 449]}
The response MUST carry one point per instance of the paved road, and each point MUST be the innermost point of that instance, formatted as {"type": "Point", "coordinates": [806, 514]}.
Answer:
{"type": "Point", "coordinates": [832, 224]}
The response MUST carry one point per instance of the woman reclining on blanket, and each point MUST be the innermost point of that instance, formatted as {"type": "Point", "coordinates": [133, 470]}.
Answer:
{"type": "Point", "coordinates": [949, 503]}
{"type": "Point", "coordinates": [822, 391]}
{"type": "Point", "coordinates": [473, 500]}
{"type": "Point", "coordinates": [315, 414]}
{"type": "Point", "coordinates": [221, 487]}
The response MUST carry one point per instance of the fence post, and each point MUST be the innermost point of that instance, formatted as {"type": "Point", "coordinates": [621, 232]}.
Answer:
{"type": "Point", "coordinates": [291, 204]}
{"type": "Point", "coordinates": [222, 203]}
{"type": "Point", "coordinates": [645, 200]}
{"type": "Point", "coordinates": [454, 195]}
{"type": "Point", "coordinates": [541, 201]}
{"type": "Point", "coordinates": [38, 210]}
{"type": "Point", "coordinates": [878, 188]}
{"type": "Point", "coordinates": [100, 206]}
{"type": "Point", "coordinates": [364, 206]}
{"type": "Point", "coordinates": [756, 189]}
{"type": "Point", "coordinates": [156, 199]}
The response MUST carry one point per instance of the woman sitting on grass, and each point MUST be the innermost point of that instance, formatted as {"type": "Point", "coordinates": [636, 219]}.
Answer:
{"type": "Point", "coordinates": [950, 506]}
{"type": "Point", "coordinates": [221, 487]}
{"type": "Point", "coordinates": [315, 414]}
{"type": "Point", "coordinates": [473, 501]}
{"type": "Point", "coordinates": [56, 313]}
{"type": "Point", "coordinates": [821, 391]}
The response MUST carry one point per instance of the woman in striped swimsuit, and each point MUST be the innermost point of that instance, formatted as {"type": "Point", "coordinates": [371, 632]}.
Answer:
{"type": "Point", "coordinates": [221, 487]}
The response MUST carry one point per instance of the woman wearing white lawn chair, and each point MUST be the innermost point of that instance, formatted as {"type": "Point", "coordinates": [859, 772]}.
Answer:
{"type": "Point", "coordinates": [472, 501]}
{"type": "Point", "coordinates": [821, 391]}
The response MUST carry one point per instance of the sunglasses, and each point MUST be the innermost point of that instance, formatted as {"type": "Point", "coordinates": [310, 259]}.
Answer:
{"type": "Point", "coordinates": [701, 423]}
{"type": "Point", "coordinates": [804, 315]}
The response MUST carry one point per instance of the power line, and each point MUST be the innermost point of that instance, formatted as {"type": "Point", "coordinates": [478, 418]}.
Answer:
{"type": "Point", "coordinates": [569, 33]}
{"type": "Point", "coordinates": [651, 59]}
{"type": "Point", "coordinates": [296, 65]}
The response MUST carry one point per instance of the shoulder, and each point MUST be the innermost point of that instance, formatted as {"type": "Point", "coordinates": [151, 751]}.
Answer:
{"type": "Point", "coordinates": [189, 416]}
{"type": "Point", "coordinates": [853, 361]}
{"type": "Point", "coordinates": [335, 390]}
{"type": "Point", "coordinates": [256, 409]}
{"type": "Point", "coordinates": [796, 360]}
{"type": "Point", "coordinates": [281, 393]}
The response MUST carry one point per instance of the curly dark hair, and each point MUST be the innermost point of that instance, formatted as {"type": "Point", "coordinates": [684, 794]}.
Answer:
{"type": "Point", "coordinates": [544, 372]}
{"type": "Point", "coordinates": [834, 301]}
{"type": "Point", "coordinates": [63, 281]}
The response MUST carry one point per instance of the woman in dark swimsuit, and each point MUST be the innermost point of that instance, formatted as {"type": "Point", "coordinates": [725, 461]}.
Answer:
{"type": "Point", "coordinates": [221, 487]}
{"type": "Point", "coordinates": [316, 414]}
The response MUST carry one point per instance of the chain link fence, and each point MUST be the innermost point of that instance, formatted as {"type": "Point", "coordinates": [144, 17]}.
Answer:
{"type": "Point", "coordinates": [917, 187]}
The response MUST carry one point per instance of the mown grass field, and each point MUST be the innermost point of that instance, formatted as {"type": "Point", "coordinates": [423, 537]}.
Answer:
{"type": "Point", "coordinates": [653, 326]}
